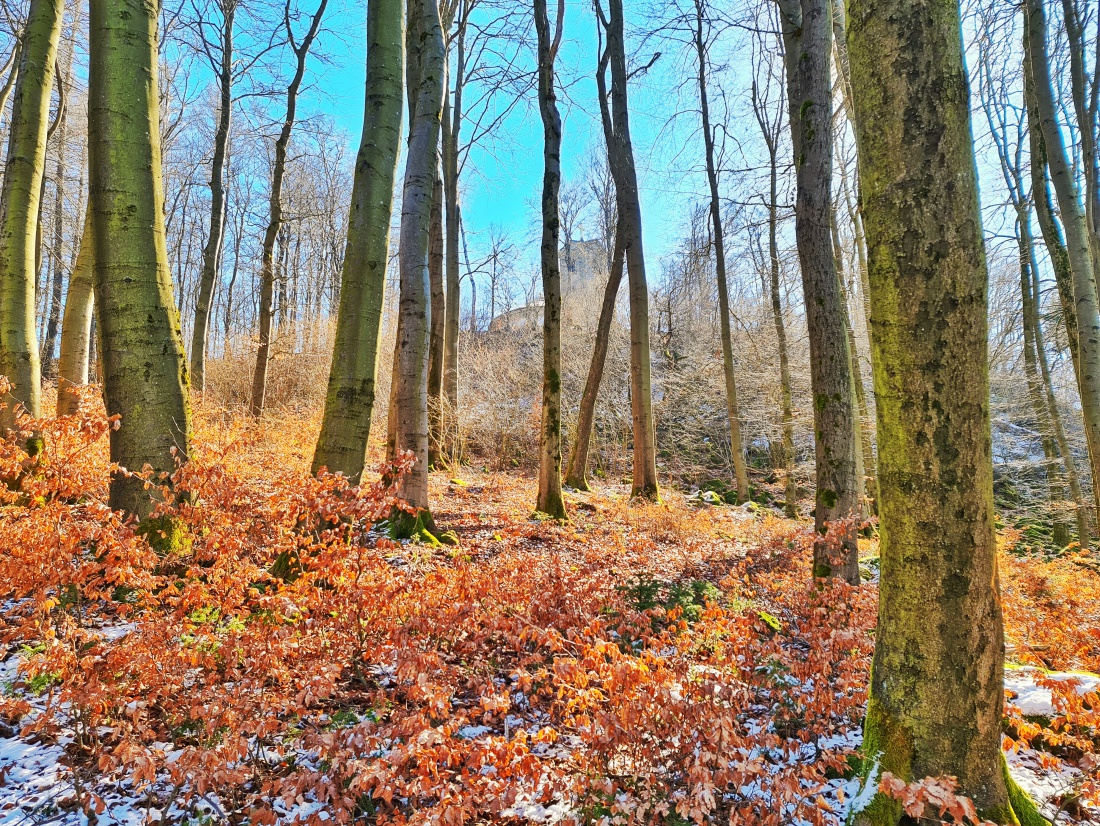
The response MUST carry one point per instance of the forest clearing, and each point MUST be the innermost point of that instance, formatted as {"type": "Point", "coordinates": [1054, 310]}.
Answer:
{"type": "Point", "coordinates": [667, 660]}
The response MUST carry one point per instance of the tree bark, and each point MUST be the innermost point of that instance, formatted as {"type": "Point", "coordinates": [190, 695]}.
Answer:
{"type": "Point", "coordinates": [211, 255]}
{"type": "Point", "coordinates": [576, 474]}
{"type": "Point", "coordinates": [144, 371]}
{"type": "Point", "coordinates": [76, 325]}
{"type": "Point", "coordinates": [438, 301]}
{"type": "Point", "coordinates": [349, 403]}
{"type": "Point", "coordinates": [409, 410]}
{"type": "Point", "coordinates": [19, 205]}
{"type": "Point", "coordinates": [1078, 246]}
{"type": "Point", "coordinates": [807, 35]}
{"type": "Point", "coordinates": [550, 500]}
{"type": "Point", "coordinates": [620, 156]}
{"type": "Point", "coordinates": [733, 416]}
{"type": "Point", "coordinates": [937, 686]}
{"type": "Point", "coordinates": [275, 208]}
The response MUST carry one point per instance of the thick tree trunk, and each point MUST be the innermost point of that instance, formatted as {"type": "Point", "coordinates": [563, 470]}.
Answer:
{"type": "Point", "coordinates": [620, 156]}
{"type": "Point", "coordinates": [19, 205]}
{"type": "Point", "coordinates": [937, 685]}
{"type": "Point", "coordinates": [733, 416]}
{"type": "Point", "coordinates": [144, 371]}
{"type": "Point", "coordinates": [409, 410]}
{"type": "Point", "coordinates": [211, 254]}
{"type": "Point", "coordinates": [807, 35]}
{"type": "Point", "coordinates": [550, 499]}
{"type": "Point", "coordinates": [76, 325]}
{"type": "Point", "coordinates": [438, 301]}
{"type": "Point", "coordinates": [576, 474]}
{"type": "Point", "coordinates": [275, 212]}
{"type": "Point", "coordinates": [1077, 233]}
{"type": "Point", "coordinates": [349, 404]}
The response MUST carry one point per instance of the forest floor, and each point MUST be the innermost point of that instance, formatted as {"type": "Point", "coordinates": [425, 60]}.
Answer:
{"type": "Point", "coordinates": [653, 663]}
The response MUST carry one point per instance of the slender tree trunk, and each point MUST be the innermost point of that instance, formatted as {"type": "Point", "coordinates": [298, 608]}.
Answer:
{"type": "Point", "coordinates": [937, 686]}
{"type": "Point", "coordinates": [12, 68]}
{"type": "Point", "coordinates": [144, 371]}
{"type": "Point", "coordinates": [807, 37]}
{"type": "Point", "coordinates": [76, 326]}
{"type": "Point", "coordinates": [576, 473]}
{"type": "Point", "coordinates": [53, 323]}
{"type": "Point", "coordinates": [349, 404]}
{"type": "Point", "coordinates": [275, 211]}
{"type": "Point", "coordinates": [211, 255]}
{"type": "Point", "coordinates": [786, 396]}
{"type": "Point", "coordinates": [19, 204]}
{"type": "Point", "coordinates": [733, 416]}
{"type": "Point", "coordinates": [1085, 110]}
{"type": "Point", "coordinates": [438, 301]}
{"type": "Point", "coordinates": [550, 499]}
{"type": "Point", "coordinates": [1076, 231]}
{"type": "Point", "coordinates": [620, 155]}
{"type": "Point", "coordinates": [409, 411]}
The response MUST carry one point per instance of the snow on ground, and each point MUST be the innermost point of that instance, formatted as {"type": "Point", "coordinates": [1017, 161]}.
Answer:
{"type": "Point", "coordinates": [1035, 701]}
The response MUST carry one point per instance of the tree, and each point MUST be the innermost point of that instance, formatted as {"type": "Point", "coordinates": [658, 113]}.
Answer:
{"type": "Point", "coordinates": [1075, 226]}
{"type": "Point", "coordinates": [76, 325]}
{"type": "Point", "coordinates": [19, 202]}
{"type": "Point", "coordinates": [937, 685]}
{"type": "Point", "coordinates": [409, 398]}
{"type": "Point", "coordinates": [620, 157]}
{"type": "Point", "coordinates": [220, 57]}
{"type": "Point", "coordinates": [144, 372]}
{"type": "Point", "coordinates": [807, 39]}
{"type": "Point", "coordinates": [550, 499]}
{"type": "Point", "coordinates": [275, 205]}
{"type": "Point", "coordinates": [349, 403]}
{"type": "Point", "coordinates": [740, 471]}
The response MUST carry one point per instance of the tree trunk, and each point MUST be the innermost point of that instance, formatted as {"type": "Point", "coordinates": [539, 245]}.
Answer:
{"type": "Point", "coordinates": [409, 410]}
{"type": "Point", "coordinates": [620, 156]}
{"type": "Point", "coordinates": [937, 686]}
{"type": "Point", "coordinates": [807, 35]}
{"type": "Point", "coordinates": [275, 211]}
{"type": "Point", "coordinates": [19, 204]}
{"type": "Point", "coordinates": [144, 371]}
{"type": "Point", "coordinates": [733, 416]}
{"type": "Point", "coordinates": [76, 325]}
{"type": "Point", "coordinates": [1076, 231]}
{"type": "Point", "coordinates": [11, 66]}
{"type": "Point", "coordinates": [349, 403]}
{"type": "Point", "coordinates": [211, 255]}
{"type": "Point", "coordinates": [550, 499]}
{"type": "Point", "coordinates": [438, 299]}
{"type": "Point", "coordinates": [576, 473]}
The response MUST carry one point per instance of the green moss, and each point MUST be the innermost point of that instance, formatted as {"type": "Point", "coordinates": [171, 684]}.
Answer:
{"type": "Point", "coordinates": [166, 534]}
{"type": "Point", "coordinates": [1021, 808]}
{"type": "Point", "coordinates": [35, 445]}
{"type": "Point", "coordinates": [827, 498]}
{"type": "Point", "coordinates": [887, 747]}
{"type": "Point", "coordinates": [418, 525]}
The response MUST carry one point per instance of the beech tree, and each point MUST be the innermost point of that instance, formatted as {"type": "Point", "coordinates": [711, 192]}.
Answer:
{"type": "Point", "coordinates": [144, 372]}
{"type": "Point", "coordinates": [807, 42]}
{"type": "Point", "coordinates": [615, 116]}
{"type": "Point", "coordinates": [349, 402]}
{"type": "Point", "coordinates": [550, 499]}
{"type": "Point", "coordinates": [19, 208]}
{"type": "Point", "coordinates": [408, 426]}
{"type": "Point", "coordinates": [937, 681]}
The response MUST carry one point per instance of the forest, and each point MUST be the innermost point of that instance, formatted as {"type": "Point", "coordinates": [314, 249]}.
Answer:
{"type": "Point", "coordinates": [550, 412]}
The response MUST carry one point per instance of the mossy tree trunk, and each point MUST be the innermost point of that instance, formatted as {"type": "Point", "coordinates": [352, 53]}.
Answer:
{"type": "Point", "coordinates": [19, 206]}
{"type": "Point", "coordinates": [349, 403]}
{"type": "Point", "coordinates": [76, 324]}
{"type": "Point", "coordinates": [275, 205]}
{"type": "Point", "coordinates": [807, 39]}
{"type": "Point", "coordinates": [144, 371]}
{"type": "Point", "coordinates": [937, 680]}
{"type": "Point", "coordinates": [576, 474]}
{"type": "Point", "coordinates": [550, 500]}
{"type": "Point", "coordinates": [620, 156]}
{"type": "Point", "coordinates": [438, 301]}
{"type": "Point", "coordinates": [409, 403]}
{"type": "Point", "coordinates": [211, 254]}
{"type": "Point", "coordinates": [733, 415]}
